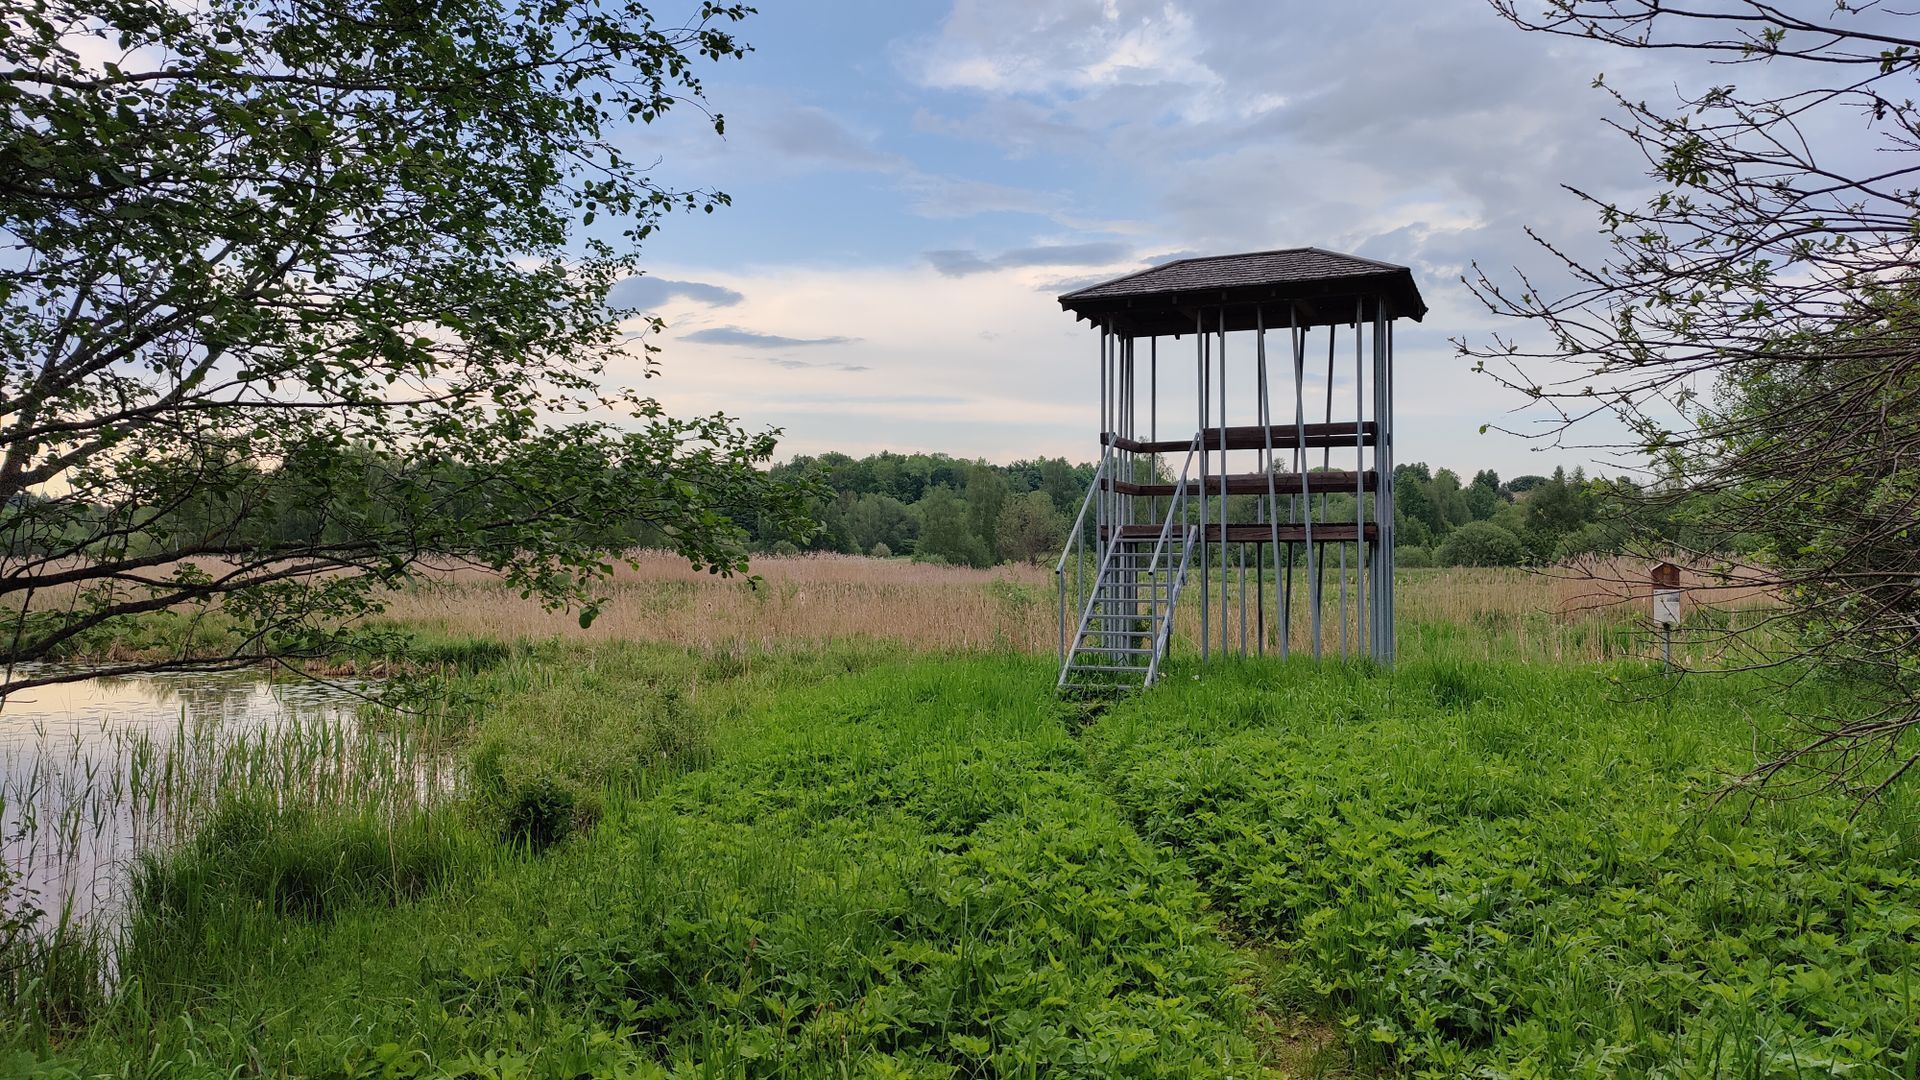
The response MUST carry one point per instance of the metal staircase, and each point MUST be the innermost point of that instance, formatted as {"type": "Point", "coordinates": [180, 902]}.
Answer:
{"type": "Point", "coordinates": [1125, 585]}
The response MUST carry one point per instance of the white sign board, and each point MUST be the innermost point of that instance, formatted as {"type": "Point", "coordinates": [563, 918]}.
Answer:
{"type": "Point", "coordinates": [1666, 607]}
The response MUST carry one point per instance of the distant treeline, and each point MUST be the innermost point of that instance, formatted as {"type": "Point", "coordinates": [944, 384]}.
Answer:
{"type": "Point", "coordinates": [930, 507]}
{"type": "Point", "coordinates": [938, 508]}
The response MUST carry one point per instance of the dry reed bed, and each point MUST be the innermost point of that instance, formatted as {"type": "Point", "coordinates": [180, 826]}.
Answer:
{"type": "Point", "coordinates": [801, 598]}
{"type": "Point", "coordinates": [1563, 614]}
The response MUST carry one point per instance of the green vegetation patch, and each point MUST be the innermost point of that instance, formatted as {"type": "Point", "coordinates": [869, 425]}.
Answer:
{"type": "Point", "coordinates": [853, 863]}
{"type": "Point", "coordinates": [904, 872]}
{"type": "Point", "coordinates": [909, 876]}
{"type": "Point", "coordinates": [1505, 870]}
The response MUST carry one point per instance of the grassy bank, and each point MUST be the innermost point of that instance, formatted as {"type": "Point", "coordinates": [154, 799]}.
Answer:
{"type": "Point", "coordinates": [862, 862]}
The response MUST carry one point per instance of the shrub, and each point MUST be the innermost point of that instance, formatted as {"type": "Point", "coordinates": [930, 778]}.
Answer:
{"type": "Point", "coordinates": [881, 551]}
{"type": "Point", "coordinates": [1481, 543]}
{"type": "Point", "coordinates": [1412, 557]}
{"type": "Point", "coordinates": [539, 813]}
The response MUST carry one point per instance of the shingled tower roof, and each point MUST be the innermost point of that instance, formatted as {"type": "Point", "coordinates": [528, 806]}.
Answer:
{"type": "Point", "coordinates": [1307, 285]}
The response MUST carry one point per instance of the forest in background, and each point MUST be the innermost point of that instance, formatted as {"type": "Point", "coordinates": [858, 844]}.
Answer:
{"type": "Point", "coordinates": [941, 509]}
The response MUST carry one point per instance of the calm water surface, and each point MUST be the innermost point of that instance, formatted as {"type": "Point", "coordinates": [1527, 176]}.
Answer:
{"type": "Point", "coordinates": [94, 772]}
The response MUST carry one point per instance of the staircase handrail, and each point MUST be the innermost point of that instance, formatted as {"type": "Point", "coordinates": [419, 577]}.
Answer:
{"type": "Point", "coordinates": [1176, 510]}
{"type": "Point", "coordinates": [1075, 548]}
{"type": "Point", "coordinates": [1073, 534]}
{"type": "Point", "coordinates": [1173, 602]}
{"type": "Point", "coordinates": [1093, 594]}
{"type": "Point", "coordinates": [1174, 506]}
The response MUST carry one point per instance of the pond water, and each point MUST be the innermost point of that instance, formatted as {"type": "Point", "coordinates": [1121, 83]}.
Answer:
{"type": "Point", "coordinates": [94, 772]}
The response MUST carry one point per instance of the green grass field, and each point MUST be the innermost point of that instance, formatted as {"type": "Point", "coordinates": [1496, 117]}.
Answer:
{"type": "Point", "coordinates": [859, 862]}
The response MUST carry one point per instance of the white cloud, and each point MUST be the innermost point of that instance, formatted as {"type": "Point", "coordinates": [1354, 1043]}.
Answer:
{"type": "Point", "coordinates": [989, 365]}
{"type": "Point", "coordinates": [1007, 47]}
{"type": "Point", "coordinates": [1421, 133]}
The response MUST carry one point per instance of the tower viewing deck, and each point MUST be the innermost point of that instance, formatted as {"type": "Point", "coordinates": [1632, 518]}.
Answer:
{"type": "Point", "coordinates": [1282, 522]}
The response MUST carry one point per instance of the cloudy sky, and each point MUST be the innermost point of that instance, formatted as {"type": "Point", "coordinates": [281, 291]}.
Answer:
{"type": "Point", "coordinates": [914, 183]}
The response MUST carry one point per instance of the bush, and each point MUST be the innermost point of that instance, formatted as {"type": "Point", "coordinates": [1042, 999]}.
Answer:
{"type": "Point", "coordinates": [1413, 557]}
{"type": "Point", "coordinates": [525, 803]}
{"type": "Point", "coordinates": [539, 813]}
{"type": "Point", "coordinates": [1481, 543]}
{"type": "Point", "coordinates": [881, 551]}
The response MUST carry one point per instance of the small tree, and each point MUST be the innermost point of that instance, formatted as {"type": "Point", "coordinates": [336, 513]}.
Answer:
{"type": "Point", "coordinates": [1484, 495]}
{"type": "Point", "coordinates": [877, 520]}
{"type": "Point", "coordinates": [1774, 264]}
{"type": "Point", "coordinates": [298, 300]}
{"type": "Point", "coordinates": [946, 533]}
{"type": "Point", "coordinates": [986, 493]}
{"type": "Point", "coordinates": [1481, 543]}
{"type": "Point", "coordinates": [1031, 529]}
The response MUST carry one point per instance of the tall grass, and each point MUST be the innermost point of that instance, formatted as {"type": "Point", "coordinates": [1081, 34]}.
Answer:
{"type": "Point", "coordinates": [99, 805]}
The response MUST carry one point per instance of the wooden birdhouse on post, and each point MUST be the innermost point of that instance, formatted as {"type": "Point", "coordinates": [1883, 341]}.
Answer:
{"type": "Point", "coordinates": [1666, 604]}
{"type": "Point", "coordinates": [1279, 512]}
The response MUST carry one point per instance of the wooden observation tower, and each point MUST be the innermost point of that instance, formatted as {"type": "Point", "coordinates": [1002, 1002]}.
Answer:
{"type": "Point", "coordinates": [1277, 511]}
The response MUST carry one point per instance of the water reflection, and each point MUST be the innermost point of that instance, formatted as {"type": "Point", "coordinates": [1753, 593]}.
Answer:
{"type": "Point", "coordinates": [95, 771]}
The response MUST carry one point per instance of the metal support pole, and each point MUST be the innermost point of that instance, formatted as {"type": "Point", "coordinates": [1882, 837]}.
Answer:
{"type": "Point", "coordinates": [1384, 454]}
{"type": "Point", "coordinates": [1326, 462]}
{"type": "Point", "coordinates": [1300, 458]}
{"type": "Point", "coordinates": [1260, 589]}
{"type": "Point", "coordinates": [1265, 403]}
{"type": "Point", "coordinates": [1121, 590]}
{"type": "Point", "coordinates": [1200, 358]}
{"type": "Point", "coordinates": [1106, 448]}
{"type": "Point", "coordinates": [1361, 621]}
{"type": "Point", "coordinates": [1223, 479]}
{"type": "Point", "coordinates": [1126, 421]}
{"type": "Point", "coordinates": [1383, 498]}
{"type": "Point", "coordinates": [1243, 598]}
{"type": "Point", "coordinates": [1153, 418]}
{"type": "Point", "coordinates": [1153, 390]}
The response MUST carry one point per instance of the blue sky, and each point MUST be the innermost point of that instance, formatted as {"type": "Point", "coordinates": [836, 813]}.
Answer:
{"type": "Point", "coordinates": [914, 183]}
